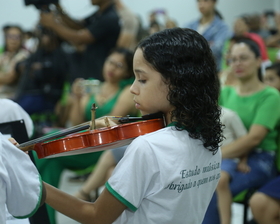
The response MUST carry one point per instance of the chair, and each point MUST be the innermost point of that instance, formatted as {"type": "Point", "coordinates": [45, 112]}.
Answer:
{"type": "Point", "coordinates": [17, 130]}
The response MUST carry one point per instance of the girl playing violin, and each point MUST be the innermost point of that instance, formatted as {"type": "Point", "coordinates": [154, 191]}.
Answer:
{"type": "Point", "coordinates": [170, 175]}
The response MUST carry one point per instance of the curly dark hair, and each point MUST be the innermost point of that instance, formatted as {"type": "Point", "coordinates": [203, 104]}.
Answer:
{"type": "Point", "coordinates": [185, 61]}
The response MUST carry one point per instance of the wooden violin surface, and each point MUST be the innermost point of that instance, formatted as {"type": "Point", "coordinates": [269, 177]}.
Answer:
{"type": "Point", "coordinates": [97, 139]}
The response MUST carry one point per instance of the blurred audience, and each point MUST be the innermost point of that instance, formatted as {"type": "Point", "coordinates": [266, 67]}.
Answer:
{"type": "Point", "coordinates": [30, 41]}
{"type": "Point", "coordinates": [212, 27]}
{"type": "Point", "coordinates": [42, 75]}
{"type": "Point", "coordinates": [274, 39]}
{"type": "Point", "coordinates": [99, 32]}
{"type": "Point", "coordinates": [265, 203]}
{"type": "Point", "coordinates": [13, 53]}
{"type": "Point", "coordinates": [242, 29]}
{"type": "Point", "coordinates": [255, 25]}
{"type": "Point", "coordinates": [258, 106]}
{"type": "Point", "coordinates": [129, 26]}
{"type": "Point", "coordinates": [112, 98]}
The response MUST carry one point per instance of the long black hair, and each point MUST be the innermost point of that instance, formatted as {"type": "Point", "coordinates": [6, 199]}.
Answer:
{"type": "Point", "coordinates": [186, 63]}
{"type": "Point", "coordinates": [217, 13]}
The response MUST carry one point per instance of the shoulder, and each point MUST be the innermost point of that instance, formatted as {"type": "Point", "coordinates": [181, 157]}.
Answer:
{"type": "Point", "coordinates": [111, 12]}
{"type": "Point", "coordinates": [126, 89]}
{"type": "Point", "coordinates": [270, 92]}
{"type": "Point", "coordinates": [8, 103]}
{"type": "Point", "coordinates": [161, 138]}
{"type": "Point", "coordinates": [226, 90]}
{"type": "Point", "coordinates": [192, 24]}
{"type": "Point", "coordinates": [219, 22]}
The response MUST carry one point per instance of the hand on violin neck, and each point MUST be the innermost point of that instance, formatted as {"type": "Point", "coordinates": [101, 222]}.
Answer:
{"type": "Point", "coordinates": [13, 141]}
{"type": "Point", "coordinates": [103, 122]}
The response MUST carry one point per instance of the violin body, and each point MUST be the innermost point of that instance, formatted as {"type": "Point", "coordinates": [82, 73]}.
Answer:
{"type": "Point", "coordinates": [97, 139]}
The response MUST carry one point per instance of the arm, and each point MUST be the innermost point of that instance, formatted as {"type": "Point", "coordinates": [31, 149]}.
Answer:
{"type": "Point", "coordinates": [273, 40]}
{"type": "Point", "coordinates": [242, 166]}
{"type": "Point", "coordinates": [78, 103]}
{"type": "Point", "coordinates": [82, 36]}
{"type": "Point", "coordinates": [243, 145]}
{"type": "Point", "coordinates": [69, 22]}
{"type": "Point", "coordinates": [106, 209]}
{"type": "Point", "coordinates": [219, 40]}
{"type": "Point", "coordinates": [10, 75]}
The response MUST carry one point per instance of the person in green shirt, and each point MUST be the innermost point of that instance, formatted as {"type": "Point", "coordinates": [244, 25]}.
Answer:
{"type": "Point", "coordinates": [113, 98]}
{"type": "Point", "coordinates": [265, 203]}
{"type": "Point", "coordinates": [258, 106]}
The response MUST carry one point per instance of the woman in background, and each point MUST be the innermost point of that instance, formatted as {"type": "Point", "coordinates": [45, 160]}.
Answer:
{"type": "Point", "coordinates": [113, 98]}
{"type": "Point", "coordinates": [265, 203]}
{"type": "Point", "coordinates": [258, 106]}
{"type": "Point", "coordinates": [12, 54]}
{"type": "Point", "coordinates": [212, 27]}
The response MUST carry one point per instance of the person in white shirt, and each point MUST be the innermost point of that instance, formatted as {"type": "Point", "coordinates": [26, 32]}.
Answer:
{"type": "Point", "coordinates": [21, 187]}
{"type": "Point", "coordinates": [170, 175]}
{"type": "Point", "coordinates": [11, 111]}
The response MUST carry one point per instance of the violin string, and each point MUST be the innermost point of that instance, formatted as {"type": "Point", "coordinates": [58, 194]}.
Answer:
{"type": "Point", "coordinates": [54, 135]}
{"type": "Point", "coordinates": [70, 130]}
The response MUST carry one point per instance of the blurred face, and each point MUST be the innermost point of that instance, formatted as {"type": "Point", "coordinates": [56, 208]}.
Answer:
{"type": "Point", "coordinates": [206, 7]}
{"type": "Point", "coordinates": [150, 91]}
{"type": "Point", "coordinates": [115, 68]}
{"type": "Point", "coordinates": [240, 27]}
{"type": "Point", "coordinates": [13, 39]}
{"type": "Point", "coordinates": [272, 79]}
{"type": "Point", "coordinates": [243, 61]}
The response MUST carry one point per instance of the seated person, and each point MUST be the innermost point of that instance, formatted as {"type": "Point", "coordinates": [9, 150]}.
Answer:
{"type": "Point", "coordinates": [265, 203]}
{"type": "Point", "coordinates": [113, 98]}
{"type": "Point", "coordinates": [43, 75]}
{"type": "Point", "coordinates": [258, 106]}
{"type": "Point", "coordinates": [12, 54]}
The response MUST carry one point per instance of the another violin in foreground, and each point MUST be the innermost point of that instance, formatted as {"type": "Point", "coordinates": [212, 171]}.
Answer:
{"type": "Point", "coordinates": [94, 140]}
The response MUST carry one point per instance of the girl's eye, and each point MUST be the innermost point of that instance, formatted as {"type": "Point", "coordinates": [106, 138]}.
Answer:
{"type": "Point", "coordinates": [142, 81]}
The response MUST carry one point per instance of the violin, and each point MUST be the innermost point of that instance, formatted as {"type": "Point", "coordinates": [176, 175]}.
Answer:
{"type": "Point", "coordinates": [95, 140]}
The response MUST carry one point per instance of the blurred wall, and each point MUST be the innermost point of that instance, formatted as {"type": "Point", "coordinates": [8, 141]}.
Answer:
{"type": "Point", "coordinates": [182, 11]}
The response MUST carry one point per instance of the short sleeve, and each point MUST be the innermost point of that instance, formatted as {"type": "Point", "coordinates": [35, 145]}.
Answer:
{"type": "Point", "coordinates": [22, 180]}
{"type": "Point", "coordinates": [268, 112]}
{"type": "Point", "coordinates": [131, 179]}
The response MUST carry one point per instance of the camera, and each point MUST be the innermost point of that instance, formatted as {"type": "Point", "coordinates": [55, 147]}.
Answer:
{"type": "Point", "coordinates": [41, 4]}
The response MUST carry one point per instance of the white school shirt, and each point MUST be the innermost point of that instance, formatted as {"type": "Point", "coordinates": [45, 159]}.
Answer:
{"type": "Point", "coordinates": [20, 182]}
{"type": "Point", "coordinates": [165, 177]}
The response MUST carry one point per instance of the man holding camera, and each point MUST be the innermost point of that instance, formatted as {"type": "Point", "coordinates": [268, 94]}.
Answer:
{"type": "Point", "coordinates": [98, 33]}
